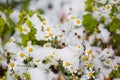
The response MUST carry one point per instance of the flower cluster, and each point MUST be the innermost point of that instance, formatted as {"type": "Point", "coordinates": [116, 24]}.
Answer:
{"type": "Point", "coordinates": [78, 48]}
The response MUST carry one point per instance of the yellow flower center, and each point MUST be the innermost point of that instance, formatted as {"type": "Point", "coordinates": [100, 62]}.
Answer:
{"type": "Point", "coordinates": [60, 35]}
{"type": "Point", "coordinates": [89, 52]}
{"type": "Point", "coordinates": [78, 46]}
{"type": "Point", "coordinates": [30, 49]}
{"type": "Point", "coordinates": [78, 21]}
{"type": "Point", "coordinates": [67, 63]}
{"type": "Point", "coordinates": [89, 65]}
{"type": "Point", "coordinates": [108, 7]}
{"type": "Point", "coordinates": [85, 58]}
{"type": "Point", "coordinates": [53, 53]}
{"type": "Point", "coordinates": [107, 52]}
{"type": "Point", "coordinates": [47, 45]}
{"type": "Point", "coordinates": [43, 23]}
{"type": "Point", "coordinates": [37, 60]}
{"type": "Point", "coordinates": [12, 64]}
{"type": "Point", "coordinates": [48, 29]}
{"type": "Point", "coordinates": [50, 34]}
{"type": "Point", "coordinates": [90, 74]}
{"type": "Point", "coordinates": [24, 29]}
{"type": "Point", "coordinates": [107, 61]}
{"type": "Point", "coordinates": [22, 55]}
{"type": "Point", "coordinates": [72, 17]}
{"type": "Point", "coordinates": [115, 66]}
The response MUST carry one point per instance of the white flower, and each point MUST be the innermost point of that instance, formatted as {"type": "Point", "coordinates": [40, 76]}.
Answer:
{"type": "Point", "coordinates": [47, 45]}
{"type": "Point", "coordinates": [115, 67]}
{"type": "Point", "coordinates": [49, 36]}
{"type": "Point", "coordinates": [30, 49]}
{"type": "Point", "coordinates": [36, 61]}
{"type": "Point", "coordinates": [90, 74]}
{"type": "Point", "coordinates": [89, 65]}
{"type": "Point", "coordinates": [67, 64]}
{"type": "Point", "coordinates": [53, 54]}
{"type": "Point", "coordinates": [85, 58]}
{"type": "Point", "coordinates": [43, 23]}
{"type": "Point", "coordinates": [71, 17]}
{"type": "Point", "coordinates": [107, 52]}
{"type": "Point", "coordinates": [25, 29]}
{"type": "Point", "coordinates": [21, 55]}
{"type": "Point", "coordinates": [80, 48]}
{"type": "Point", "coordinates": [88, 52]}
{"type": "Point", "coordinates": [78, 22]}
{"type": "Point", "coordinates": [12, 65]}
{"type": "Point", "coordinates": [108, 7]}
{"type": "Point", "coordinates": [60, 36]}
{"type": "Point", "coordinates": [48, 29]}
{"type": "Point", "coordinates": [107, 62]}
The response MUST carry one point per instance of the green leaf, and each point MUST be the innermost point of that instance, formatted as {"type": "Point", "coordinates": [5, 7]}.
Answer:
{"type": "Point", "coordinates": [2, 24]}
{"type": "Point", "coordinates": [30, 13]}
{"type": "Point", "coordinates": [40, 18]}
{"type": "Point", "coordinates": [114, 74]}
{"type": "Point", "coordinates": [27, 76]}
{"type": "Point", "coordinates": [89, 4]}
{"type": "Point", "coordinates": [114, 25]}
{"type": "Point", "coordinates": [90, 23]}
{"type": "Point", "coordinates": [25, 39]}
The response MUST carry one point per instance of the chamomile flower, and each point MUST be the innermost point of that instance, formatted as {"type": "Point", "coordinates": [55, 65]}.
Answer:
{"type": "Point", "coordinates": [85, 58]}
{"type": "Point", "coordinates": [11, 40]}
{"type": "Point", "coordinates": [80, 48]}
{"type": "Point", "coordinates": [53, 54]}
{"type": "Point", "coordinates": [30, 49]}
{"type": "Point", "coordinates": [44, 23]}
{"type": "Point", "coordinates": [66, 64]}
{"type": "Point", "coordinates": [25, 29]}
{"type": "Point", "coordinates": [89, 65]}
{"type": "Point", "coordinates": [78, 22]}
{"type": "Point", "coordinates": [71, 17]}
{"type": "Point", "coordinates": [90, 74]}
{"type": "Point", "coordinates": [88, 52]}
{"type": "Point", "coordinates": [22, 55]}
{"type": "Point", "coordinates": [108, 7]}
{"type": "Point", "coordinates": [48, 29]}
{"type": "Point", "coordinates": [47, 45]}
{"type": "Point", "coordinates": [115, 67]}
{"type": "Point", "coordinates": [50, 35]}
{"type": "Point", "coordinates": [60, 36]}
{"type": "Point", "coordinates": [12, 65]}
{"type": "Point", "coordinates": [107, 52]}
{"type": "Point", "coordinates": [107, 62]}
{"type": "Point", "coordinates": [37, 61]}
